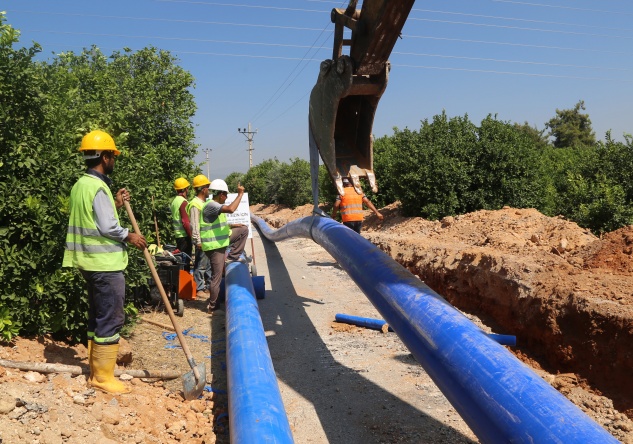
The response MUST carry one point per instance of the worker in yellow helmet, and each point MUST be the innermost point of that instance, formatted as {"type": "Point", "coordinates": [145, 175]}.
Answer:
{"type": "Point", "coordinates": [180, 220]}
{"type": "Point", "coordinates": [97, 245]}
{"type": "Point", "coordinates": [201, 264]}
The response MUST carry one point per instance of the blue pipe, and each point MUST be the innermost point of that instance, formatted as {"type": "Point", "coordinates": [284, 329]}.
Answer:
{"type": "Point", "coordinates": [256, 411]}
{"type": "Point", "coordinates": [374, 324]}
{"type": "Point", "coordinates": [500, 398]}
{"type": "Point", "coordinates": [378, 324]}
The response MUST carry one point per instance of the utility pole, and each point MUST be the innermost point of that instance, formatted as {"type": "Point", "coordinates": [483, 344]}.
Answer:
{"type": "Point", "coordinates": [207, 151]}
{"type": "Point", "coordinates": [249, 136]}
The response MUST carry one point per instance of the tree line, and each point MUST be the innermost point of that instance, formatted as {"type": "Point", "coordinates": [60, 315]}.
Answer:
{"type": "Point", "coordinates": [143, 100]}
{"type": "Point", "coordinates": [452, 166]}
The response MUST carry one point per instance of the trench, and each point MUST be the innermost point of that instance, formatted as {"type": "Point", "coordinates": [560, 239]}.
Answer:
{"type": "Point", "coordinates": [562, 331]}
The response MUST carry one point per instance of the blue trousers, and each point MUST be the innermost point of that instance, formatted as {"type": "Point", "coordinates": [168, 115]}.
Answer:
{"type": "Point", "coordinates": [201, 270]}
{"type": "Point", "coordinates": [106, 296]}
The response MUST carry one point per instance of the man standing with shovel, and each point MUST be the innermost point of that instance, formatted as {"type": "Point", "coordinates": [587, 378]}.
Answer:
{"type": "Point", "coordinates": [96, 244]}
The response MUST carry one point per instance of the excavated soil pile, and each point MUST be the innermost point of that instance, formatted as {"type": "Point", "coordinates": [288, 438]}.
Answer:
{"type": "Point", "coordinates": [566, 294]}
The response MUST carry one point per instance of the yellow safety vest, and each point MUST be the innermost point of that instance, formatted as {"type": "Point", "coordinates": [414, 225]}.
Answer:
{"type": "Point", "coordinates": [86, 248]}
{"type": "Point", "coordinates": [216, 234]}
{"type": "Point", "coordinates": [179, 228]}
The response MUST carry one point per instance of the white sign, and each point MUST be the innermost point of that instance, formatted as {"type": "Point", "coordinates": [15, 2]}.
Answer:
{"type": "Point", "coordinates": [242, 215]}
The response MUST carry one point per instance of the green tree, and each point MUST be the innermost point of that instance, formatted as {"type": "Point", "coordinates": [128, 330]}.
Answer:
{"type": "Point", "coordinates": [385, 153]}
{"type": "Point", "coordinates": [143, 99]}
{"type": "Point", "coordinates": [295, 186]}
{"type": "Point", "coordinates": [570, 127]}
{"type": "Point", "coordinates": [536, 136]}
{"type": "Point", "coordinates": [233, 179]}
{"type": "Point", "coordinates": [507, 168]}
{"type": "Point", "coordinates": [256, 182]}
{"type": "Point", "coordinates": [429, 170]}
{"type": "Point", "coordinates": [327, 189]}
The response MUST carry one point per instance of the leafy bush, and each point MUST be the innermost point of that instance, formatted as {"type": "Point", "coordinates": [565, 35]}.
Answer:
{"type": "Point", "coordinates": [143, 100]}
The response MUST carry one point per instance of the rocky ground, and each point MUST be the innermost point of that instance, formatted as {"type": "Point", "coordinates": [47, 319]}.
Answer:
{"type": "Point", "coordinates": [566, 294]}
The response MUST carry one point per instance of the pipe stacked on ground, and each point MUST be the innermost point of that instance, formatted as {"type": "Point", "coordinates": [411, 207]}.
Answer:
{"type": "Point", "coordinates": [500, 398]}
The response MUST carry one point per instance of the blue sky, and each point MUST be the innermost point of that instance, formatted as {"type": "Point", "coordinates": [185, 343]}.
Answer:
{"type": "Point", "coordinates": [257, 61]}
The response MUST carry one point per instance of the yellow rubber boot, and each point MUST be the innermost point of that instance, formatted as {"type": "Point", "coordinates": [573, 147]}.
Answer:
{"type": "Point", "coordinates": [92, 372]}
{"type": "Point", "coordinates": [103, 362]}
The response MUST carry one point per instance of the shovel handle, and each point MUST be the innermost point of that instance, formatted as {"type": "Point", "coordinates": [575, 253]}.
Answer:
{"type": "Point", "coordinates": [170, 312]}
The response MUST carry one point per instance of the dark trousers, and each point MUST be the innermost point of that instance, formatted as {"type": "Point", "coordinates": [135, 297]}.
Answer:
{"type": "Point", "coordinates": [106, 296]}
{"type": "Point", "coordinates": [184, 244]}
{"type": "Point", "coordinates": [237, 242]}
{"type": "Point", "coordinates": [355, 225]}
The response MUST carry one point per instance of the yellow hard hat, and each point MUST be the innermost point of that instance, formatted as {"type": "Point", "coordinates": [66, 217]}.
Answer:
{"type": "Point", "coordinates": [200, 180]}
{"type": "Point", "coordinates": [180, 183]}
{"type": "Point", "coordinates": [98, 141]}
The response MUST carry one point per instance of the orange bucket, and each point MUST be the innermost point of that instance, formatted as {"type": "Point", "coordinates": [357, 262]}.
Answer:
{"type": "Point", "coordinates": [186, 286]}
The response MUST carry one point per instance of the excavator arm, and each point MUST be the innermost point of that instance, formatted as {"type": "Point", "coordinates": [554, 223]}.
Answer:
{"type": "Point", "coordinates": [344, 100]}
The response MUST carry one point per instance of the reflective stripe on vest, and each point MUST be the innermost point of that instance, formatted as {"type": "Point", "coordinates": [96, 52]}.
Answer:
{"type": "Point", "coordinates": [216, 234]}
{"type": "Point", "coordinates": [351, 206]}
{"type": "Point", "coordinates": [86, 248]}
{"type": "Point", "coordinates": [176, 221]}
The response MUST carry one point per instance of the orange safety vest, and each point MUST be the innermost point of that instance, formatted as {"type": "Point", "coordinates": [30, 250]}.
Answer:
{"type": "Point", "coordinates": [351, 205]}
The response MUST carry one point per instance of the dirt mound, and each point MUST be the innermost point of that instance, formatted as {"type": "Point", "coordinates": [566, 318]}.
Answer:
{"type": "Point", "coordinates": [613, 252]}
{"type": "Point", "coordinates": [566, 294]}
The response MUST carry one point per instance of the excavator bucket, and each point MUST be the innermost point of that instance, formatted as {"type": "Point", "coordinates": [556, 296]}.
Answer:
{"type": "Point", "coordinates": [344, 100]}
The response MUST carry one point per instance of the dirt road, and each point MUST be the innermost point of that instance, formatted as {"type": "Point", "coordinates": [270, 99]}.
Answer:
{"type": "Point", "coordinates": [342, 383]}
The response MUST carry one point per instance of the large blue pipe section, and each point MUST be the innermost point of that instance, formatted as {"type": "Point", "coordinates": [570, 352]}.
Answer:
{"type": "Point", "coordinates": [500, 398]}
{"type": "Point", "coordinates": [256, 411]}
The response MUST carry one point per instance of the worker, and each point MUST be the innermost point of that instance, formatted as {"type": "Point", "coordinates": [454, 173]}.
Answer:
{"type": "Point", "coordinates": [180, 220]}
{"type": "Point", "coordinates": [351, 207]}
{"type": "Point", "coordinates": [217, 234]}
{"type": "Point", "coordinates": [97, 245]}
{"type": "Point", "coordinates": [201, 265]}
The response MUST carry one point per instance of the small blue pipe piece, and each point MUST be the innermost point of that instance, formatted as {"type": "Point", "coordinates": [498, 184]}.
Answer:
{"type": "Point", "coordinates": [374, 324]}
{"type": "Point", "coordinates": [256, 410]}
{"type": "Point", "coordinates": [378, 324]}
{"type": "Point", "coordinates": [500, 398]}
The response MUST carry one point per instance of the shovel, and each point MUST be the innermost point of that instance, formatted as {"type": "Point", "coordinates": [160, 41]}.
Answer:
{"type": "Point", "coordinates": [193, 382]}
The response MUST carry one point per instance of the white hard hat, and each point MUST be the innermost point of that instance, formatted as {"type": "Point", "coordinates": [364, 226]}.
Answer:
{"type": "Point", "coordinates": [219, 185]}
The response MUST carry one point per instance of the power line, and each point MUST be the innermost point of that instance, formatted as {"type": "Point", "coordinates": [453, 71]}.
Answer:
{"type": "Point", "coordinates": [525, 45]}
{"type": "Point", "coordinates": [487, 71]}
{"type": "Point", "coordinates": [264, 108]}
{"type": "Point", "coordinates": [484, 59]}
{"type": "Point", "coordinates": [465, 14]}
{"type": "Point", "coordinates": [487, 25]}
{"type": "Point", "coordinates": [276, 8]}
{"type": "Point", "coordinates": [202, 22]}
{"type": "Point", "coordinates": [284, 45]}
{"type": "Point", "coordinates": [563, 7]}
